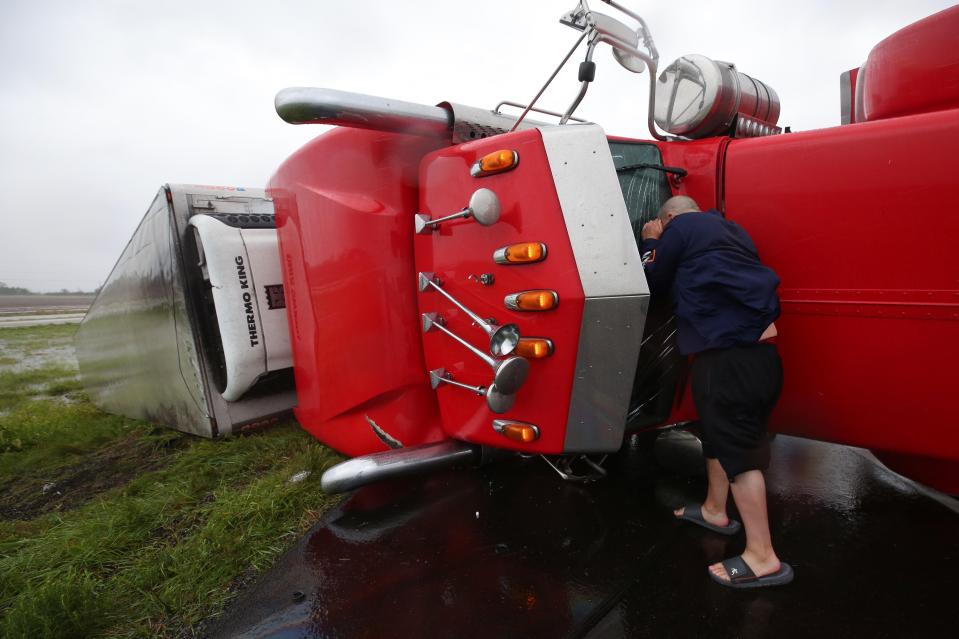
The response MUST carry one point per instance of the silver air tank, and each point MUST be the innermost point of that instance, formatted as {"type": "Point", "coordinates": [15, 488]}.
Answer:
{"type": "Point", "coordinates": [697, 97]}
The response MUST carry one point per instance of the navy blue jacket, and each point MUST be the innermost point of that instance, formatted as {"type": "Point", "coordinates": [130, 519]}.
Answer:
{"type": "Point", "coordinates": [722, 294]}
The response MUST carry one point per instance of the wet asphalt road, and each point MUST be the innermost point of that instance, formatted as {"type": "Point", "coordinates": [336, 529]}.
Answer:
{"type": "Point", "coordinates": [513, 551]}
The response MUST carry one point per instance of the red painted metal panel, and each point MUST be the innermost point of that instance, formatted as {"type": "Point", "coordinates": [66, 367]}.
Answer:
{"type": "Point", "coordinates": [702, 160]}
{"type": "Point", "coordinates": [860, 223]}
{"type": "Point", "coordinates": [344, 209]}
{"type": "Point", "coordinates": [915, 70]}
{"type": "Point", "coordinates": [927, 470]}
{"type": "Point", "coordinates": [461, 248]}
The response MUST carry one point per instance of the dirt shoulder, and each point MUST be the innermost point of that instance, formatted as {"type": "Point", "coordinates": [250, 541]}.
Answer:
{"type": "Point", "coordinates": [86, 476]}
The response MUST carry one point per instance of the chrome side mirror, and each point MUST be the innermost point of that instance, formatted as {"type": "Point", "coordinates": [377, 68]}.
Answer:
{"type": "Point", "coordinates": [617, 32]}
{"type": "Point", "coordinates": [484, 207]}
{"type": "Point", "coordinates": [620, 36]}
{"type": "Point", "coordinates": [624, 40]}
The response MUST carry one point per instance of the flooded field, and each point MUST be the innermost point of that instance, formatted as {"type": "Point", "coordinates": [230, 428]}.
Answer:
{"type": "Point", "coordinates": [18, 311]}
{"type": "Point", "coordinates": [35, 348]}
{"type": "Point", "coordinates": [41, 303]}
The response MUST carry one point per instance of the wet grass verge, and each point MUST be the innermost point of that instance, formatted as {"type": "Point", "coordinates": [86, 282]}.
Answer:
{"type": "Point", "coordinates": [113, 527]}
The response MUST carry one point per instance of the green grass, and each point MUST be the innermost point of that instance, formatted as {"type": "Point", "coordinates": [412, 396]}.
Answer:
{"type": "Point", "coordinates": [15, 386]}
{"type": "Point", "coordinates": [37, 337]}
{"type": "Point", "coordinates": [112, 527]}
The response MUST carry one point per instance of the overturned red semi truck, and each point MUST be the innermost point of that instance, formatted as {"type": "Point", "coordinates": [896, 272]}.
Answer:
{"type": "Point", "coordinates": [459, 282]}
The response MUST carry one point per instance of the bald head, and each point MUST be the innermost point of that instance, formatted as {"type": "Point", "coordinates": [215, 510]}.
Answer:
{"type": "Point", "coordinates": [677, 205]}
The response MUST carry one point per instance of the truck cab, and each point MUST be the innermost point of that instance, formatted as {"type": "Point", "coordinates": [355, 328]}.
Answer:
{"type": "Point", "coordinates": [459, 281]}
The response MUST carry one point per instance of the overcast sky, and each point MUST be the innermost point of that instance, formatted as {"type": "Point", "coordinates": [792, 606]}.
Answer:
{"type": "Point", "coordinates": [103, 101]}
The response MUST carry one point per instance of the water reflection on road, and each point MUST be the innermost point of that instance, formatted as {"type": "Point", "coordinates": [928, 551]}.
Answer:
{"type": "Point", "coordinates": [512, 551]}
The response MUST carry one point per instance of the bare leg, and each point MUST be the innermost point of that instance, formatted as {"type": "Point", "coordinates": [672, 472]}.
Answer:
{"type": "Point", "coordinates": [718, 490]}
{"type": "Point", "coordinates": [714, 508]}
{"type": "Point", "coordinates": [749, 493]}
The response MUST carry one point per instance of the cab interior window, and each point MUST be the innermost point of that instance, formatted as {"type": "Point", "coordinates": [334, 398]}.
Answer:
{"type": "Point", "coordinates": [660, 367]}
{"type": "Point", "coordinates": [644, 189]}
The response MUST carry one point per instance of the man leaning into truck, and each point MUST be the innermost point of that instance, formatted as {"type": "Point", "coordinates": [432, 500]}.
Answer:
{"type": "Point", "coordinates": [726, 304]}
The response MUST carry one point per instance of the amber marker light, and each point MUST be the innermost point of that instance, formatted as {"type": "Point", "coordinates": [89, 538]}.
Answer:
{"type": "Point", "coordinates": [516, 431]}
{"type": "Point", "coordinates": [522, 253]}
{"type": "Point", "coordinates": [540, 300]}
{"type": "Point", "coordinates": [495, 162]}
{"type": "Point", "coordinates": [534, 347]}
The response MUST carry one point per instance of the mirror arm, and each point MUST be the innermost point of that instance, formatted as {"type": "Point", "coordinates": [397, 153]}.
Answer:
{"type": "Point", "coordinates": [543, 89]}
{"type": "Point", "coordinates": [583, 7]}
{"type": "Point", "coordinates": [647, 38]}
{"type": "Point", "coordinates": [651, 115]}
{"type": "Point", "coordinates": [652, 64]}
{"type": "Point", "coordinates": [467, 212]}
{"type": "Point", "coordinates": [594, 39]}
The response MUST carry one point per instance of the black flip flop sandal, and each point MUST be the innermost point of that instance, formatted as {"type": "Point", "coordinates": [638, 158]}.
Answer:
{"type": "Point", "coordinates": [694, 513]}
{"type": "Point", "coordinates": [742, 576]}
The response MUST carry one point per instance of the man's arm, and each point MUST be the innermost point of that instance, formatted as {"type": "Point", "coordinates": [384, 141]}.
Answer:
{"type": "Point", "coordinates": [661, 252]}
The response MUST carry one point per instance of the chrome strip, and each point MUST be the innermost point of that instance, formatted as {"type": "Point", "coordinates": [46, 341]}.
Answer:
{"type": "Point", "coordinates": [472, 123]}
{"type": "Point", "coordinates": [611, 272]}
{"type": "Point", "coordinates": [610, 335]}
{"type": "Point", "coordinates": [846, 105]}
{"type": "Point", "coordinates": [859, 108]}
{"type": "Point", "coordinates": [606, 255]}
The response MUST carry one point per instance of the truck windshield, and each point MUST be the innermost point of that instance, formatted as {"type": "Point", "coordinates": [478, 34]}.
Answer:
{"type": "Point", "coordinates": [644, 189]}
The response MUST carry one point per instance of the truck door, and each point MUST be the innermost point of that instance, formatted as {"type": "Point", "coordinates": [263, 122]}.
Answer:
{"type": "Point", "coordinates": [645, 187]}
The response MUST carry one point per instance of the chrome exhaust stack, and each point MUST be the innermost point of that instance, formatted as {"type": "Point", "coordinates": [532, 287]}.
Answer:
{"type": "Point", "coordinates": [305, 105]}
{"type": "Point", "coordinates": [454, 122]}
{"type": "Point", "coordinates": [401, 462]}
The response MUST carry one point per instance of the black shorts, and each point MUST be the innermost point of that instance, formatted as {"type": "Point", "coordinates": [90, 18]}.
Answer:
{"type": "Point", "coordinates": [734, 390]}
